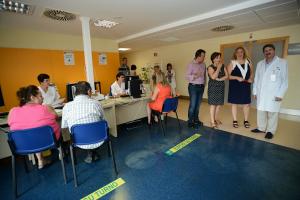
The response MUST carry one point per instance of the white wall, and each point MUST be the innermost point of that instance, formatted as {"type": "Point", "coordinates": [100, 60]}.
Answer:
{"type": "Point", "coordinates": [181, 54]}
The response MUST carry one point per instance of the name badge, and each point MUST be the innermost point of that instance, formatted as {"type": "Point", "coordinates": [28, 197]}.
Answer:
{"type": "Point", "coordinates": [273, 77]}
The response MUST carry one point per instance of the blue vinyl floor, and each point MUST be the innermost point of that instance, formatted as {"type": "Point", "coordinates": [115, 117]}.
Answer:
{"type": "Point", "coordinates": [217, 165]}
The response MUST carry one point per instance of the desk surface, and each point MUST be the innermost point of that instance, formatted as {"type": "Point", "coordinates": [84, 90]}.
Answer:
{"type": "Point", "coordinates": [105, 104]}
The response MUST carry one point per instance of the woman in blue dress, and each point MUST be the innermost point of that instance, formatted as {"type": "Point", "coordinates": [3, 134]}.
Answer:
{"type": "Point", "coordinates": [240, 72]}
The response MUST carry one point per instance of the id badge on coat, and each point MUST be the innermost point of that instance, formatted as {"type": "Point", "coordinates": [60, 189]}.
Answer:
{"type": "Point", "coordinates": [273, 77]}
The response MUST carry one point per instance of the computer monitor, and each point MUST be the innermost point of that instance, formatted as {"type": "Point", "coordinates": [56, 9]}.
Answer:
{"type": "Point", "coordinates": [135, 88]}
{"type": "Point", "coordinates": [71, 91]}
{"type": "Point", "coordinates": [128, 79]}
{"type": "Point", "coordinates": [1, 98]}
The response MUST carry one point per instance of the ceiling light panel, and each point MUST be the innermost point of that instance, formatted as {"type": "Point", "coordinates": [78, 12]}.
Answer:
{"type": "Point", "coordinates": [105, 23]}
{"type": "Point", "coordinates": [15, 7]}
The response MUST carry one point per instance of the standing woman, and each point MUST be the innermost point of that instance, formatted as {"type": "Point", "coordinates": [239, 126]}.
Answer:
{"type": "Point", "coordinates": [216, 85]}
{"type": "Point", "coordinates": [240, 72]}
{"type": "Point", "coordinates": [170, 75]}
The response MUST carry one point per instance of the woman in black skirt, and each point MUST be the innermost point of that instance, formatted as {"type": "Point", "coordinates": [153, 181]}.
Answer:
{"type": "Point", "coordinates": [240, 72]}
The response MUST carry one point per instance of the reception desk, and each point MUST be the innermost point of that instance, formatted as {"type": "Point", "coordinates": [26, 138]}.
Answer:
{"type": "Point", "coordinates": [116, 111]}
{"type": "Point", "coordinates": [122, 110]}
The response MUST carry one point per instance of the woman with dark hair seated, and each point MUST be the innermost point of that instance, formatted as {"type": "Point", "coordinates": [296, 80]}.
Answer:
{"type": "Point", "coordinates": [31, 114]}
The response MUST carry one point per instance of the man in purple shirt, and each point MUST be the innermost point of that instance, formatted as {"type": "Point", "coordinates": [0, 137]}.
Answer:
{"type": "Point", "coordinates": [196, 74]}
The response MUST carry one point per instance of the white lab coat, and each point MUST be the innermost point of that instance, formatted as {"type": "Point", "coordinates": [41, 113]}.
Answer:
{"type": "Point", "coordinates": [269, 83]}
{"type": "Point", "coordinates": [172, 82]}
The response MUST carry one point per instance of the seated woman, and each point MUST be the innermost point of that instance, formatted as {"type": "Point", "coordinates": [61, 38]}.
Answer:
{"type": "Point", "coordinates": [31, 114]}
{"type": "Point", "coordinates": [118, 87]}
{"type": "Point", "coordinates": [162, 91]}
{"type": "Point", "coordinates": [49, 92]}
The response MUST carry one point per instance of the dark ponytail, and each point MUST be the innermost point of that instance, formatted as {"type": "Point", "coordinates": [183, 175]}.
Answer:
{"type": "Point", "coordinates": [24, 94]}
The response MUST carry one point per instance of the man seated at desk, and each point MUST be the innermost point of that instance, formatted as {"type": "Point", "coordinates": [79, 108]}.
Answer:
{"type": "Point", "coordinates": [118, 87]}
{"type": "Point", "coordinates": [49, 92]}
{"type": "Point", "coordinates": [83, 110]}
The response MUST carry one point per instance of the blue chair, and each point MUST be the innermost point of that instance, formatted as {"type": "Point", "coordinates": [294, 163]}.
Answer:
{"type": "Point", "coordinates": [91, 133]}
{"type": "Point", "coordinates": [170, 105]}
{"type": "Point", "coordinates": [29, 141]}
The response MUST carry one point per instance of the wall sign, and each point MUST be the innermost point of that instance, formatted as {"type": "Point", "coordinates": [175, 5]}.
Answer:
{"type": "Point", "coordinates": [69, 58]}
{"type": "Point", "coordinates": [102, 59]}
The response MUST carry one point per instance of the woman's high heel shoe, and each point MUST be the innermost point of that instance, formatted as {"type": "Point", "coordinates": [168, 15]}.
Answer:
{"type": "Point", "coordinates": [218, 122]}
{"type": "Point", "coordinates": [213, 125]}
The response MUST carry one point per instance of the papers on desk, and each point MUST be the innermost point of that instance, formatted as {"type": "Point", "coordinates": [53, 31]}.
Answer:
{"type": "Point", "coordinates": [58, 111]}
{"type": "Point", "coordinates": [98, 97]}
{"type": "Point", "coordinates": [58, 103]}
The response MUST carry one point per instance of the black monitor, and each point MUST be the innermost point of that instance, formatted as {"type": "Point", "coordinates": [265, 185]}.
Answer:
{"type": "Point", "coordinates": [1, 98]}
{"type": "Point", "coordinates": [71, 91]}
{"type": "Point", "coordinates": [128, 79]}
{"type": "Point", "coordinates": [135, 88]}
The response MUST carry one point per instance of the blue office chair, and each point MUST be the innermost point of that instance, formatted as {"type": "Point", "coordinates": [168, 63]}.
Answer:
{"type": "Point", "coordinates": [28, 141]}
{"type": "Point", "coordinates": [170, 105]}
{"type": "Point", "coordinates": [91, 133]}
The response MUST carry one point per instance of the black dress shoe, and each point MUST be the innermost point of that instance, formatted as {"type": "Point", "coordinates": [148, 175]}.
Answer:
{"type": "Point", "coordinates": [257, 131]}
{"type": "Point", "coordinates": [269, 135]}
{"type": "Point", "coordinates": [199, 123]}
{"type": "Point", "coordinates": [190, 125]}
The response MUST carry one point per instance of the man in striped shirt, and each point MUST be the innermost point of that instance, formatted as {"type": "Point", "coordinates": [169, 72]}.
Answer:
{"type": "Point", "coordinates": [83, 110]}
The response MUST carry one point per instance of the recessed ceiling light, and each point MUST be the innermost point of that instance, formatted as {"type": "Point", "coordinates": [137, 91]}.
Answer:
{"type": "Point", "coordinates": [105, 23]}
{"type": "Point", "coordinates": [223, 28]}
{"type": "Point", "coordinates": [15, 7]}
{"type": "Point", "coordinates": [123, 49]}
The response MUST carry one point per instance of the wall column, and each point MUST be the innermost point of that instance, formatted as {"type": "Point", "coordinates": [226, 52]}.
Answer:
{"type": "Point", "coordinates": [85, 24]}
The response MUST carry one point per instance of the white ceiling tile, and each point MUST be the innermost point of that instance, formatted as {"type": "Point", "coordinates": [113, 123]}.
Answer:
{"type": "Point", "coordinates": [277, 8]}
{"type": "Point", "coordinates": [282, 16]}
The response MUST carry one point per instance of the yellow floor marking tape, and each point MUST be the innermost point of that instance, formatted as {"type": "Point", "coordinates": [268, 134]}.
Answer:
{"type": "Point", "coordinates": [182, 144]}
{"type": "Point", "coordinates": [104, 190]}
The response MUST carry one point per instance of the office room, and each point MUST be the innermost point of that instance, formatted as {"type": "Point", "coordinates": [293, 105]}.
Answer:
{"type": "Point", "coordinates": [164, 154]}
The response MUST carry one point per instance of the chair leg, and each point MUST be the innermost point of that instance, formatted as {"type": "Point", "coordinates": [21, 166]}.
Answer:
{"type": "Point", "coordinates": [14, 178]}
{"type": "Point", "coordinates": [108, 149]}
{"type": "Point", "coordinates": [25, 163]}
{"type": "Point", "coordinates": [178, 120]}
{"type": "Point", "coordinates": [166, 117]}
{"type": "Point", "coordinates": [73, 166]}
{"type": "Point", "coordinates": [62, 164]}
{"type": "Point", "coordinates": [113, 156]}
{"type": "Point", "coordinates": [161, 124]}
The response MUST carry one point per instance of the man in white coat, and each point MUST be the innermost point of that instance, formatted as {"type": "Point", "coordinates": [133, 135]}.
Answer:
{"type": "Point", "coordinates": [269, 87]}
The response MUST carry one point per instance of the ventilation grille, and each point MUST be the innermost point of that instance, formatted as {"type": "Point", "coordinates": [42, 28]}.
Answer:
{"type": "Point", "coordinates": [59, 15]}
{"type": "Point", "coordinates": [222, 28]}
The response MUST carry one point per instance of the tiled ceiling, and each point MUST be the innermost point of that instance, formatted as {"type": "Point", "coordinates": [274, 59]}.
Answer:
{"type": "Point", "coordinates": [146, 24]}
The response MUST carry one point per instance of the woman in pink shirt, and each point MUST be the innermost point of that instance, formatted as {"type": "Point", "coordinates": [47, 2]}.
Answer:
{"type": "Point", "coordinates": [31, 114]}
